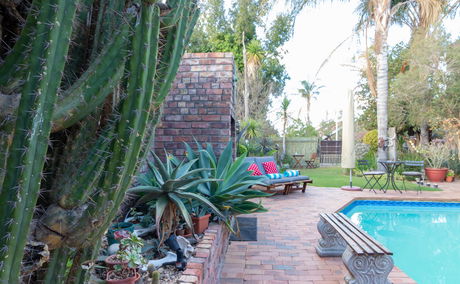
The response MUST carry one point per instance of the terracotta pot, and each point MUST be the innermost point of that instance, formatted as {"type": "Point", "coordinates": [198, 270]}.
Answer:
{"type": "Point", "coordinates": [450, 178]}
{"type": "Point", "coordinates": [112, 260]}
{"type": "Point", "coordinates": [436, 175]}
{"type": "Point", "coordinates": [129, 280]}
{"type": "Point", "coordinates": [200, 224]}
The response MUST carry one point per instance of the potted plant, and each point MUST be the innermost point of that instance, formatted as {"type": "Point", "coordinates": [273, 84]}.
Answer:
{"type": "Point", "coordinates": [450, 176]}
{"type": "Point", "coordinates": [200, 219]}
{"type": "Point", "coordinates": [129, 258]}
{"type": "Point", "coordinates": [436, 154]}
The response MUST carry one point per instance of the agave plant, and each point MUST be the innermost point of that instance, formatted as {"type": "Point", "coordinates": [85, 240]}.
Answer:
{"type": "Point", "coordinates": [168, 185]}
{"type": "Point", "coordinates": [228, 183]}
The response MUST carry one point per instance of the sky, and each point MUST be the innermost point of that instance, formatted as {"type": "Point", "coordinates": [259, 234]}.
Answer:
{"type": "Point", "coordinates": [318, 30]}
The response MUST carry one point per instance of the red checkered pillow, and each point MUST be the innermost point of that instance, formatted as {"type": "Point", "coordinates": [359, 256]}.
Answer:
{"type": "Point", "coordinates": [270, 167]}
{"type": "Point", "coordinates": [255, 170]}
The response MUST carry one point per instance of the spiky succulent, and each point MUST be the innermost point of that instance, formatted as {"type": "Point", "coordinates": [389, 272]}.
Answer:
{"type": "Point", "coordinates": [168, 185]}
{"type": "Point", "coordinates": [229, 187]}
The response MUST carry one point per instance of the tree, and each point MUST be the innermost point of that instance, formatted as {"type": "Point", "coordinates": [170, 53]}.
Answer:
{"type": "Point", "coordinates": [299, 128]}
{"type": "Point", "coordinates": [266, 74]}
{"type": "Point", "coordinates": [309, 92]}
{"type": "Point", "coordinates": [285, 116]}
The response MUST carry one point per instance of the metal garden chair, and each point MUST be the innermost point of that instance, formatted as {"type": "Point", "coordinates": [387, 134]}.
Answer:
{"type": "Point", "coordinates": [409, 171]}
{"type": "Point", "coordinates": [372, 176]}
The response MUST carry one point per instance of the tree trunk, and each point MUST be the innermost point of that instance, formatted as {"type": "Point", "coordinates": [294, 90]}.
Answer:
{"type": "Point", "coordinates": [424, 135]}
{"type": "Point", "coordinates": [246, 90]}
{"type": "Point", "coordinates": [284, 137]}
{"type": "Point", "coordinates": [308, 111]}
{"type": "Point", "coordinates": [382, 18]}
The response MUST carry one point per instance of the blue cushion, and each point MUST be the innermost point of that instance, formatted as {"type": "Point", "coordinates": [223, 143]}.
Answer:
{"type": "Point", "coordinates": [274, 176]}
{"type": "Point", "coordinates": [291, 173]}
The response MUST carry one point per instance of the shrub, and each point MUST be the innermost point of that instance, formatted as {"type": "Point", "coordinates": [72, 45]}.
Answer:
{"type": "Point", "coordinates": [242, 149]}
{"type": "Point", "coordinates": [361, 150]}
{"type": "Point", "coordinates": [371, 138]}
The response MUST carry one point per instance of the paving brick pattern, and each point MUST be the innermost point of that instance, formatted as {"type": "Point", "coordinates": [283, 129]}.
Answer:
{"type": "Point", "coordinates": [199, 105]}
{"type": "Point", "coordinates": [287, 235]}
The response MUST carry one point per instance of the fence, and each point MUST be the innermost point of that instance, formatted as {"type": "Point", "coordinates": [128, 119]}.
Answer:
{"type": "Point", "coordinates": [330, 152]}
{"type": "Point", "coordinates": [299, 145]}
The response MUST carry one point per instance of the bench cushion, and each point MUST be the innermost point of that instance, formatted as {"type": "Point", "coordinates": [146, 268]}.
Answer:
{"type": "Point", "coordinates": [412, 173]}
{"type": "Point", "coordinates": [255, 170]}
{"type": "Point", "coordinates": [260, 160]}
{"type": "Point", "coordinates": [270, 167]}
{"type": "Point", "coordinates": [373, 173]}
{"type": "Point", "coordinates": [286, 180]}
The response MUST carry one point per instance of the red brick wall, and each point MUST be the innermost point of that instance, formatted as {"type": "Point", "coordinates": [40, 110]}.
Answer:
{"type": "Point", "coordinates": [199, 105]}
{"type": "Point", "coordinates": [205, 266]}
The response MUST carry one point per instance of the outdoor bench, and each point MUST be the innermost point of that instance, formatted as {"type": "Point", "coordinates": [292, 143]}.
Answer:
{"type": "Point", "coordinates": [289, 183]}
{"type": "Point", "coordinates": [366, 260]}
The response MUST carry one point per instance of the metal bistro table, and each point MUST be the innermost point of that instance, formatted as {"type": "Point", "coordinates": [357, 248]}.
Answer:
{"type": "Point", "coordinates": [390, 169]}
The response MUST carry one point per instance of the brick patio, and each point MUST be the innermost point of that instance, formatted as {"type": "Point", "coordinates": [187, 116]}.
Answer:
{"type": "Point", "coordinates": [287, 235]}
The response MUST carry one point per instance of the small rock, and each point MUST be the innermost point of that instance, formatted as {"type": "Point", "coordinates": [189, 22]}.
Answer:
{"type": "Point", "coordinates": [113, 249]}
{"type": "Point", "coordinates": [170, 257]}
{"type": "Point", "coordinates": [185, 246]}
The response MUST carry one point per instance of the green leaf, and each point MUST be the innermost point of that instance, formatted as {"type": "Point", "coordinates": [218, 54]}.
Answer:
{"type": "Point", "coordinates": [160, 207]}
{"type": "Point", "coordinates": [225, 160]}
{"type": "Point", "coordinates": [160, 166]}
{"type": "Point", "coordinates": [203, 200]}
{"type": "Point", "coordinates": [144, 189]}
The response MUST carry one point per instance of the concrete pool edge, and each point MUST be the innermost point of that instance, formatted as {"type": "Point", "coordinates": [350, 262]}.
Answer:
{"type": "Point", "coordinates": [392, 198]}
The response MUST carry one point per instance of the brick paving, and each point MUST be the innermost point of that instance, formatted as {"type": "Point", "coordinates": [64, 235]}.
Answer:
{"type": "Point", "coordinates": [287, 235]}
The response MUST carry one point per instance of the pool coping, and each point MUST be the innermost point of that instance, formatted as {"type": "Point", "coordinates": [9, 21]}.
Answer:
{"type": "Point", "coordinates": [392, 198]}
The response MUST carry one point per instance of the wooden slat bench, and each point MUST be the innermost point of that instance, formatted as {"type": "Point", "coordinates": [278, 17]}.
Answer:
{"type": "Point", "coordinates": [366, 260]}
{"type": "Point", "coordinates": [288, 186]}
{"type": "Point", "coordinates": [289, 183]}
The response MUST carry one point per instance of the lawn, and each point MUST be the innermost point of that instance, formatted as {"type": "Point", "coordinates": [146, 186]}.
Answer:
{"type": "Point", "coordinates": [334, 177]}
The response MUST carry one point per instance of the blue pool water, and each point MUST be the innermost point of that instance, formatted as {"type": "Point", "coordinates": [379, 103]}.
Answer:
{"type": "Point", "coordinates": [424, 236]}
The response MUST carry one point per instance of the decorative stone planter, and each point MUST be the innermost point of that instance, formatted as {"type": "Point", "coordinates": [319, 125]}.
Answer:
{"type": "Point", "coordinates": [205, 266]}
{"type": "Point", "coordinates": [436, 175]}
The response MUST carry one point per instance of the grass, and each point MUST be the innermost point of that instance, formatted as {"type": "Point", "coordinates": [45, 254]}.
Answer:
{"type": "Point", "coordinates": [334, 177]}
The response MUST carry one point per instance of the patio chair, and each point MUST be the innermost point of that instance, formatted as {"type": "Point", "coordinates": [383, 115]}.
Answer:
{"type": "Point", "coordinates": [311, 163]}
{"type": "Point", "coordinates": [413, 169]}
{"type": "Point", "coordinates": [372, 176]}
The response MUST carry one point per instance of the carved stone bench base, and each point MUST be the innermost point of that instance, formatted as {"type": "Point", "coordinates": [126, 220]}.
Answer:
{"type": "Point", "coordinates": [331, 243]}
{"type": "Point", "coordinates": [367, 269]}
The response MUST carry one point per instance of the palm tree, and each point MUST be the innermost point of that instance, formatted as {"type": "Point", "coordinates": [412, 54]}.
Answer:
{"type": "Point", "coordinates": [253, 55]}
{"type": "Point", "coordinates": [284, 114]}
{"type": "Point", "coordinates": [309, 92]}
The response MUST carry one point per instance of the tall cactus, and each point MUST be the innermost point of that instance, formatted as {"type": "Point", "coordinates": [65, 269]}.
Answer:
{"type": "Point", "coordinates": [83, 121]}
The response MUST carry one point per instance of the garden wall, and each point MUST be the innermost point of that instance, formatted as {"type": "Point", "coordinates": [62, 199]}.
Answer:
{"type": "Point", "coordinates": [206, 265]}
{"type": "Point", "coordinates": [200, 104]}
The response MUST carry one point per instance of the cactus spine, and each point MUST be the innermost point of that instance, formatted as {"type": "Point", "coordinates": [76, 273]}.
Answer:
{"type": "Point", "coordinates": [92, 132]}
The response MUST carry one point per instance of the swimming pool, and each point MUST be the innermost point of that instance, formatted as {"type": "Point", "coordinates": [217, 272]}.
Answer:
{"type": "Point", "coordinates": [424, 236]}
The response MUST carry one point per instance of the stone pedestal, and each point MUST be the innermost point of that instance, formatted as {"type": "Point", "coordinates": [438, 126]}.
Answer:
{"type": "Point", "coordinates": [367, 269]}
{"type": "Point", "coordinates": [331, 243]}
